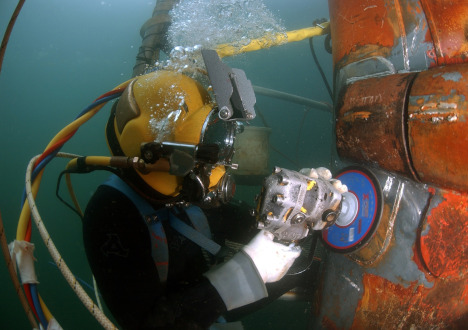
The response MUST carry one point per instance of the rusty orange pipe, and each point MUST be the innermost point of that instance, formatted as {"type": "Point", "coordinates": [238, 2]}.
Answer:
{"type": "Point", "coordinates": [438, 126]}
{"type": "Point", "coordinates": [363, 29]}
{"type": "Point", "coordinates": [396, 107]}
{"type": "Point", "coordinates": [414, 124]}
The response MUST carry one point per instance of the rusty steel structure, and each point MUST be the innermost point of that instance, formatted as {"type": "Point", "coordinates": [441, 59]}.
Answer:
{"type": "Point", "coordinates": [409, 123]}
{"type": "Point", "coordinates": [401, 107]}
{"type": "Point", "coordinates": [411, 273]}
{"type": "Point", "coordinates": [397, 107]}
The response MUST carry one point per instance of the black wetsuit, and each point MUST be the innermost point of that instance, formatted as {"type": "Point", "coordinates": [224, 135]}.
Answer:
{"type": "Point", "coordinates": [118, 248]}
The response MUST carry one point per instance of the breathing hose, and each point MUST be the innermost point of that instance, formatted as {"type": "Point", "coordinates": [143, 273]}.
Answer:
{"type": "Point", "coordinates": [14, 277]}
{"type": "Point", "coordinates": [67, 274]}
{"type": "Point", "coordinates": [153, 34]}
{"type": "Point", "coordinates": [268, 41]}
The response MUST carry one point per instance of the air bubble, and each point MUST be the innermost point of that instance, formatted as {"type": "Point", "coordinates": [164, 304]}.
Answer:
{"type": "Point", "coordinates": [206, 24]}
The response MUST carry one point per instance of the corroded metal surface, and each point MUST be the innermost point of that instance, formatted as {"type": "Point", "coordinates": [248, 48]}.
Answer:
{"type": "Point", "coordinates": [413, 272]}
{"type": "Point", "coordinates": [422, 136]}
{"type": "Point", "coordinates": [353, 29]}
{"type": "Point", "coordinates": [419, 279]}
{"type": "Point", "coordinates": [443, 240]}
{"type": "Point", "coordinates": [448, 24]}
{"type": "Point", "coordinates": [386, 305]}
{"type": "Point", "coordinates": [379, 37]}
{"type": "Point", "coordinates": [437, 127]}
{"type": "Point", "coordinates": [371, 123]}
{"type": "Point", "coordinates": [409, 33]}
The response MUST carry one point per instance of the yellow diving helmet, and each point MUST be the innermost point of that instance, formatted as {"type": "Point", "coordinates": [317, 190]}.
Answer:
{"type": "Point", "coordinates": [168, 115]}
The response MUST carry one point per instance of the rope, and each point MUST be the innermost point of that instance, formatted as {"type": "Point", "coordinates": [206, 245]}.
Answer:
{"type": "Point", "coordinates": [67, 274]}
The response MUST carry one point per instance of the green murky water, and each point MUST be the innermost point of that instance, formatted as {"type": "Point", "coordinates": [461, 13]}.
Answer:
{"type": "Point", "coordinates": [64, 54]}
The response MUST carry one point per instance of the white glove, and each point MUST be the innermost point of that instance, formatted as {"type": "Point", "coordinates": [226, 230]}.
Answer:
{"type": "Point", "coordinates": [271, 259]}
{"type": "Point", "coordinates": [325, 174]}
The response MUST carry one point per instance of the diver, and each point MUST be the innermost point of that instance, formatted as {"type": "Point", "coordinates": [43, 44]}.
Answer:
{"type": "Point", "coordinates": [166, 247]}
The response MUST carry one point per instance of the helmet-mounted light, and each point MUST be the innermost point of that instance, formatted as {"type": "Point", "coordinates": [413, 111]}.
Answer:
{"type": "Point", "coordinates": [233, 91]}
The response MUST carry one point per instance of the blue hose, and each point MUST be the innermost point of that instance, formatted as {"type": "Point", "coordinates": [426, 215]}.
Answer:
{"type": "Point", "coordinates": [37, 305]}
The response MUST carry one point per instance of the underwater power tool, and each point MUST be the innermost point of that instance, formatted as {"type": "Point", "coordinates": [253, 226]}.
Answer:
{"type": "Point", "coordinates": [292, 204]}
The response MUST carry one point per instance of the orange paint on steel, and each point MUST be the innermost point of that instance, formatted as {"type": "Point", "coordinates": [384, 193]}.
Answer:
{"type": "Point", "coordinates": [423, 135]}
{"type": "Point", "coordinates": [448, 24]}
{"type": "Point", "coordinates": [444, 237]}
{"type": "Point", "coordinates": [438, 126]}
{"type": "Point", "coordinates": [386, 305]}
{"type": "Point", "coordinates": [371, 122]}
{"type": "Point", "coordinates": [363, 27]}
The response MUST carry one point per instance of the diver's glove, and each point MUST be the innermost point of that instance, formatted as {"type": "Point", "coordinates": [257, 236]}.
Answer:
{"type": "Point", "coordinates": [271, 259]}
{"type": "Point", "coordinates": [241, 280]}
{"type": "Point", "coordinates": [325, 174]}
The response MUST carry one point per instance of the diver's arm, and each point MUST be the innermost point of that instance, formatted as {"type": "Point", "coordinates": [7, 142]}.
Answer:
{"type": "Point", "coordinates": [118, 249]}
{"type": "Point", "coordinates": [196, 307]}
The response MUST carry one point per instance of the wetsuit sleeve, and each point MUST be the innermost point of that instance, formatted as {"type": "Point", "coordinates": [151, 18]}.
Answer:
{"type": "Point", "coordinates": [238, 225]}
{"type": "Point", "coordinates": [118, 249]}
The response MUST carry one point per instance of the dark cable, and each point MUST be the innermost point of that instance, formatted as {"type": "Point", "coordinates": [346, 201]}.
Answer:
{"type": "Point", "coordinates": [327, 44]}
{"type": "Point", "coordinates": [311, 44]}
{"type": "Point", "coordinates": [79, 171]}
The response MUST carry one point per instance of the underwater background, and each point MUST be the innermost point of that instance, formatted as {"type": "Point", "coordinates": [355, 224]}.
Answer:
{"type": "Point", "coordinates": [64, 54]}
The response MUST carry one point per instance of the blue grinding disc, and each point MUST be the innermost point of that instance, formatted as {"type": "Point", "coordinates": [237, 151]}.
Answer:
{"type": "Point", "coordinates": [366, 207]}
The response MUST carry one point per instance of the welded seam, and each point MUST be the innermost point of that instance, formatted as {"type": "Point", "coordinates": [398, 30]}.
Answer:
{"type": "Point", "coordinates": [405, 132]}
